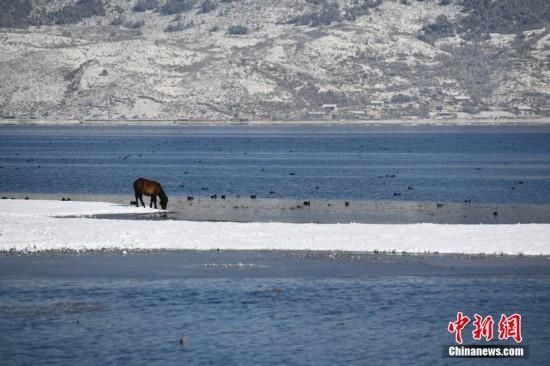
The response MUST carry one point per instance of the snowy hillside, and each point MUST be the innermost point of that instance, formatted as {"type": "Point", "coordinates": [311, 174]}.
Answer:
{"type": "Point", "coordinates": [260, 59]}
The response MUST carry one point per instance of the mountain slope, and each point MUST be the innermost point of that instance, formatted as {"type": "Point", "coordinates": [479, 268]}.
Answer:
{"type": "Point", "coordinates": [222, 59]}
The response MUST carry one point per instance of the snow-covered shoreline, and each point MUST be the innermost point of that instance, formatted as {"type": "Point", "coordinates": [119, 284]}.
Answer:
{"type": "Point", "coordinates": [35, 225]}
{"type": "Point", "coordinates": [472, 121]}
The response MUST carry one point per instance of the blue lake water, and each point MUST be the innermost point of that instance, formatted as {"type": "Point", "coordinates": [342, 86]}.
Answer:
{"type": "Point", "coordinates": [236, 308]}
{"type": "Point", "coordinates": [270, 309]}
{"type": "Point", "coordinates": [453, 164]}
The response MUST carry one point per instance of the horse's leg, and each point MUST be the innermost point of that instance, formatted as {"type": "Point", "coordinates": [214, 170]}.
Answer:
{"type": "Point", "coordinates": [141, 199]}
{"type": "Point", "coordinates": [137, 199]}
{"type": "Point", "coordinates": [154, 200]}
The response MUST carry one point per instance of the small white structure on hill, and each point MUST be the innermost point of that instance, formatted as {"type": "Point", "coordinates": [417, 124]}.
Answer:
{"type": "Point", "coordinates": [330, 108]}
{"type": "Point", "coordinates": [523, 110]}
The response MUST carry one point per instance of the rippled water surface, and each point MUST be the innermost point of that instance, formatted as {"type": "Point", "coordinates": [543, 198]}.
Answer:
{"type": "Point", "coordinates": [252, 321]}
{"type": "Point", "coordinates": [315, 311]}
{"type": "Point", "coordinates": [482, 164]}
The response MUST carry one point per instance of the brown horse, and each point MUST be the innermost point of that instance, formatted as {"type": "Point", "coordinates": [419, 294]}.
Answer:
{"type": "Point", "coordinates": [151, 188]}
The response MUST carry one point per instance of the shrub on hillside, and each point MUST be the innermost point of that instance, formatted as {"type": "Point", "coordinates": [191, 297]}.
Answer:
{"type": "Point", "coordinates": [317, 2]}
{"type": "Point", "coordinates": [207, 6]}
{"type": "Point", "coordinates": [504, 16]}
{"type": "Point", "coordinates": [144, 5]}
{"type": "Point", "coordinates": [401, 98]}
{"type": "Point", "coordinates": [74, 13]}
{"type": "Point", "coordinates": [134, 25]}
{"type": "Point", "coordinates": [179, 26]}
{"type": "Point", "coordinates": [237, 30]}
{"type": "Point", "coordinates": [117, 21]}
{"type": "Point", "coordinates": [441, 28]}
{"type": "Point", "coordinates": [15, 14]}
{"type": "Point", "coordinates": [176, 6]}
{"type": "Point", "coordinates": [328, 14]}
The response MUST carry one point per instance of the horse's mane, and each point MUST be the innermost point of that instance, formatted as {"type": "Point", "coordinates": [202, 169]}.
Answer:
{"type": "Point", "coordinates": [162, 195]}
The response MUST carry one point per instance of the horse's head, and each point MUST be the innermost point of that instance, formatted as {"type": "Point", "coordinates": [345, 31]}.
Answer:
{"type": "Point", "coordinates": [164, 204]}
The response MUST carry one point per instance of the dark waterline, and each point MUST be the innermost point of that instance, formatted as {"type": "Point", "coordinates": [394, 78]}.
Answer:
{"type": "Point", "coordinates": [450, 164]}
{"type": "Point", "coordinates": [250, 308]}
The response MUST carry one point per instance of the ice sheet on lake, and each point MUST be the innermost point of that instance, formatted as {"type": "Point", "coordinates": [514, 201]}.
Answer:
{"type": "Point", "coordinates": [34, 225]}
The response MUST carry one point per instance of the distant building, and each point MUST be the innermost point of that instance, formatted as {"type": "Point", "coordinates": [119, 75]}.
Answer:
{"type": "Point", "coordinates": [391, 110]}
{"type": "Point", "coordinates": [523, 110]}
{"type": "Point", "coordinates": [437, 106]}
{"type": "Point", "coordinates": [317, 115]}
{"type": "Point", "coordinates": [330, 108]}
{"type": "Point", "coordinates": [377, 104]}
{"type": "Point", "coordinates": [446, 115]}
{"type": "Point", "coordinates": [453, 104]}
{"type": "Point", "coordinates": [462, 99]}
{"type": "Point", "coordinates": [412, 105]}
{"type": "Point", "coordinates": [235, 110]}
{"type": "Point", "coordinates": [352, 114]}
{"type": "Point", "coordinates": [239, 115]}
{"type": "Point", "coordinates": [375, 109]}
{"type": "Point", "coordinates": [247, 116]}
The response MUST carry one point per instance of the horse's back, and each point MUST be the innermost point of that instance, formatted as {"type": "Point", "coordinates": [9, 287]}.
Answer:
{"type": "Point", "coordinates": [146, 186]}
{"type": "Point", "coordinates": [138, 184]}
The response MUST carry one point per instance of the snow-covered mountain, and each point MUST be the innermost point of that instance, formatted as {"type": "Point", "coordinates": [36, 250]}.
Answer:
{"type": "Point", "coordinates": [264, 59]}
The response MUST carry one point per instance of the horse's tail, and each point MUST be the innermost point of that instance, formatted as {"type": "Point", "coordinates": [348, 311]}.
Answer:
{"type": "Point", "coordinates": [136, 186]}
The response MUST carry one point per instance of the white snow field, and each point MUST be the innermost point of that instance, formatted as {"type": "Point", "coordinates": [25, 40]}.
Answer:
{"type": "Point", "coordinates": [37, 225]}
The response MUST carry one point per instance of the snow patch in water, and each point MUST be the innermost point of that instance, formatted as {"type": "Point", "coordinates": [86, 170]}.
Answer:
{"type": "Point", "coordinates": [35, 225]}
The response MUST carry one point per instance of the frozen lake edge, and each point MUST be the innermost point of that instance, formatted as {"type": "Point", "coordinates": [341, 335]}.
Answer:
{"type": "Point", "coordinates": [28, 226]}
{"type": "Point", "coordinates": [162, 264]}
